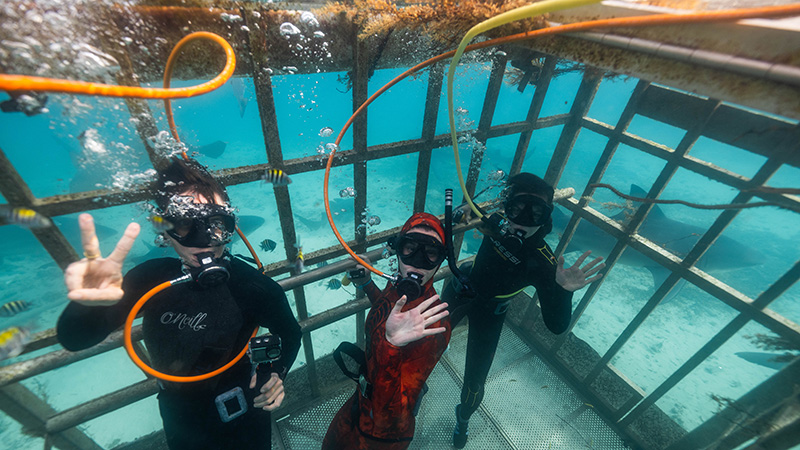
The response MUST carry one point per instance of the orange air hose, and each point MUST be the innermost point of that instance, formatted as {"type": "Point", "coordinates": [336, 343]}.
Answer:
{"type": "Point", "coordinates": [40, 84]}
{"type": "Point", "coordinates": [142, 365]}
{"type": "Point", "coordinates": [640, 21]}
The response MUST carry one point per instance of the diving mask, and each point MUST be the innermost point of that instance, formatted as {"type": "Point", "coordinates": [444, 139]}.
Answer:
{"type": "Point", "coordinates": [528, 210]}
{"type": "Point", "coordinates": [201, 225]}
{"type": "Point", "coordinates": [420, 250]}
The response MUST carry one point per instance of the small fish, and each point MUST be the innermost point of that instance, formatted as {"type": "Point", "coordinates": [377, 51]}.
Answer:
{"type": "Point", "coordinates": [13, 341]}
{"type": "Point", "coordinates": [268, 245]}
{"type": "Point", "coordinates": [334, 284]}
{"type": "Point", "coordinates": [13, 308]}
{"type": "Point", "coordinates": [299, 261]}
{"type": "Point", "coordinates": [160, 224]}
{"type": "Point", "coordinates": [24, 217]}
{"type": "Point", "coordinates": [277, 177]}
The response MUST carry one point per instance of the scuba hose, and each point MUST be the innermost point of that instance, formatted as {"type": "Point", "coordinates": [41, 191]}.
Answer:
{"type": "Point", "coordinates": [163, 376]}
{"type": "Point", "coordinates": [466, 284]}
{"type": "Point", "coordinates": [637, 21]}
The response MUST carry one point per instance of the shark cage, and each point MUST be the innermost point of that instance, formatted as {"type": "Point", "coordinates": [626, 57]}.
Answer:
{"type": "Point", "coordinates": [685, 132]}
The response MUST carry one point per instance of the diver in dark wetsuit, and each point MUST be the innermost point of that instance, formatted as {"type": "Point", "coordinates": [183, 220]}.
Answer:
{"type": "Point", "coordinates": [502, 268]}
{"type": "Point", "coordinates": [194, 327]}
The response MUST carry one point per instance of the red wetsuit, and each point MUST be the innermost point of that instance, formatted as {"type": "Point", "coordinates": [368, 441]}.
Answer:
{"type": "Point", "coordinates": [396, 374]}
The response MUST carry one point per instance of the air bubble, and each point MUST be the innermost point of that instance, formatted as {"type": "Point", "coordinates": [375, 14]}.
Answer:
{"type": "Point", "coordinates": [325, 132]}
{"type": "Point", "coordinates": [288, 29]}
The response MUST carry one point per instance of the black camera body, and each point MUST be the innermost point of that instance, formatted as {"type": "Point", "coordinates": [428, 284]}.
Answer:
{"type": "Point", "coordinates": [264, 349]}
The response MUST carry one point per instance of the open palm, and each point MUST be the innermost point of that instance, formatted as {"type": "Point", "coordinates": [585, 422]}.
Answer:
{"type": "Point", "coordinates": [405, 327]}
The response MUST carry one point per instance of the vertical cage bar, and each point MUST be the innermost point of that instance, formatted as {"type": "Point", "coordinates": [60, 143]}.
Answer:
{"type": "Point", "coordinates": [689, 138]}
{"type": "Point", "coordinates": [17, 193]}
{"type": "Point", "coordinates": [542, 85]}
{"type": "Point", "coordinates": [435, 78]}
{"type": "Point", "coordinates": [767, 170]}
{"type": "Point", "coordinates": [569, 134]}
{"type": "Point", "coordinates": [360, 94]}
{"type": "Point", "coordinates": [484, 124]}
{"type": "Point", "coordinates": [602, 164]}
{"type": "Point", "coordinates": [138, 108]}
{"type": "Point", "coordinates": [269, 127]}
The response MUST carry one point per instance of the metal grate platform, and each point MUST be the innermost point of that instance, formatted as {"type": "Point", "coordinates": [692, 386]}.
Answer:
{"type": "Point", "coordinates": [527, 406]}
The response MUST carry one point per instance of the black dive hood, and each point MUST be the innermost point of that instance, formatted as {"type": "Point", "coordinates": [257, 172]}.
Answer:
{"type": "Point", "coordinates": [213, 271]}
{"type": "Point", "coordinates": [466, 284]}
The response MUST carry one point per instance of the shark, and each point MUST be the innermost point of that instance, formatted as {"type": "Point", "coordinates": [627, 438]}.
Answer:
{"type": "Point", "coordinates": [676, 236]}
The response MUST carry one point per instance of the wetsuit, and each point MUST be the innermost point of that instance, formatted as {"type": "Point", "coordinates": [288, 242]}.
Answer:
{"type": "Point", "coordinates": [384, 418]}
{"type": "Point", "coordinates": [497, 274]}
{"type": "Point", "coordinates": [190, 330]}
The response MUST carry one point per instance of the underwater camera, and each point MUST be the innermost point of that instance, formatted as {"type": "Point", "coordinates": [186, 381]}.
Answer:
{"type": "Point", "coordinates": [264, 349]}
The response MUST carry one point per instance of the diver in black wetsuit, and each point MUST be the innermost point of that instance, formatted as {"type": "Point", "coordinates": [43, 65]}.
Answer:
{"type": "Point", "coordinates": [502, 268]}
{"type": "Point", "coordinates": [190, 328]}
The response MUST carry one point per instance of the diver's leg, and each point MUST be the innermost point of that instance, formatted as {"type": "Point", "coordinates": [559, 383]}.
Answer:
{"type": "Point", "coordinates": [485, 325]}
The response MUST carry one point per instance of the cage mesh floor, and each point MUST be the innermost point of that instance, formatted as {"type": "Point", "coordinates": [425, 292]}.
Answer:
{"type": "Point", "coordinates": [526, 406]}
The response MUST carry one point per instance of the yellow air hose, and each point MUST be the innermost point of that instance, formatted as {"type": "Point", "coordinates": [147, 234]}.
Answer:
{"type": "Point", "coordinates": [523, 12]}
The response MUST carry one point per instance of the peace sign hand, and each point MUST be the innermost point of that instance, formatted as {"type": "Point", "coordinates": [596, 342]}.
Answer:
{"type": "Point", "coordinates": [405, 327]}
{"type": "Point", "coordinates": [576, 277]}
{"type": "Point", "coordinates": [94, 280]}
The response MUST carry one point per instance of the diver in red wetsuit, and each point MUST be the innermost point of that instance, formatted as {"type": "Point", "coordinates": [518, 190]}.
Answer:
{"type": "Point", "coordinates": [405, 339]}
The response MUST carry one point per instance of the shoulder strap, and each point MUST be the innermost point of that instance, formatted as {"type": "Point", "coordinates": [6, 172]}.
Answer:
{"type": "Point", "coordinates": [356, 354]}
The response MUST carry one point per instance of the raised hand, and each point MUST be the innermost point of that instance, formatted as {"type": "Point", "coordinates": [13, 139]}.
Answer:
{"type": "Point", "coordinates": [576, 277]}
{"type": "Point", "coordinates": [405, 327]}
{"type": "Point", "coordinates": [272, 393]}
{"type": "Point", "coordinates": [94, 280]}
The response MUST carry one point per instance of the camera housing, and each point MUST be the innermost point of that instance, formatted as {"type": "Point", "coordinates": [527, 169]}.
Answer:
{"type": "Point", "coordinates": [264, 349]}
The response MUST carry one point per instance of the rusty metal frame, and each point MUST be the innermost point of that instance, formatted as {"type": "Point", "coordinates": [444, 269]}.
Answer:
{"type": "Point", "coordinates": [716, 123]}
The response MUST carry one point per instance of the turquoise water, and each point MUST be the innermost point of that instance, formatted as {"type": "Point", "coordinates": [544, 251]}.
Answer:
{"type": "Point", "coordinates": [48, 154]}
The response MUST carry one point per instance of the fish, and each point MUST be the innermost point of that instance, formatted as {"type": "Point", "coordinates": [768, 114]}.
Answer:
{"type": "Point", "coordinates": [160, 224]}
{"type": "Point", "coordinates": [13, 341]}
{"type": "Point", "coordinates": [321, 264]}
{"type": "Point", "coordinates": [27, 102]}
{"type": "Point", "coordinates": [24, 217]}
{"type": "Point", "coordinates": [268, 245]}
{"type": "Point", "coordinates": [676, 236]}
{"type": "Point", "coordinates": [13, 308]}
{"type": "Point", "coordinates": [277, 177]}
{"type": "Point", "coordinates": [212, 150]}
{"type": "Point", "coordinates": [249, 224]}
{"type": "Point", "coordinates": [776, 361]}
{"type": "Point", "coordinates": [299, 261]}
{"type": "Point", "coordinates": [334, 284]}
{"type": "Point", "coordinates": [237, 85]}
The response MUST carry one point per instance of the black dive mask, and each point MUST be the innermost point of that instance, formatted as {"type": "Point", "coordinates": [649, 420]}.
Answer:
{"type": "Point", "coordinates": [410, 286]}
{"type": "Point", "coordinates": [419, 250]}
{"type": "Point", "coordinates": [201, 225]}
{"type": "Point", "coordinates": [528, 210]}
{"type": "Point", "coordinates": [212, 271]}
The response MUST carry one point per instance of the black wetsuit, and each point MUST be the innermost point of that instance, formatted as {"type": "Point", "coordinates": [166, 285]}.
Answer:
{"type": "Point", "coordinates": [496, 275]}
{"type": "Point", "coordinates": [190, 330]}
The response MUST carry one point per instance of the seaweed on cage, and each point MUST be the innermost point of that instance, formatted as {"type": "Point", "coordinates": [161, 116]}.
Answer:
{"type": "Point", "coordinates": [444, 21]}
{"type": "Point", "coordinates": [347, 79]}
